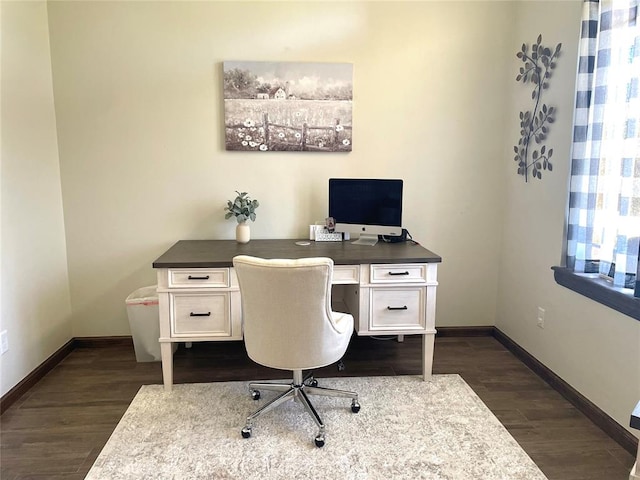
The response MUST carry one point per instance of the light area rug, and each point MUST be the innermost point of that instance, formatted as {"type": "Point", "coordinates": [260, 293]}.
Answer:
{"type": "Point", "coordinates": [406, 429]}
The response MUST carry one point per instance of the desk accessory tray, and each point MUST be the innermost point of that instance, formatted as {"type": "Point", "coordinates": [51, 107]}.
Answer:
{"type": "Point", "coordinates": [319, 233]}
{"type": "Point", "coordinates": [328, 237]}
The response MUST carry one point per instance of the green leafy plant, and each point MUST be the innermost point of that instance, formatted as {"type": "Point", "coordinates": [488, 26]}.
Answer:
{"type": "Point", "coordinates": [242, 207]}
{"type": "Point", "coordinates": [534, 123]}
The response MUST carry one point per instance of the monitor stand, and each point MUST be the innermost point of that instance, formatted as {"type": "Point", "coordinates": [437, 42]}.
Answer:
{"type": "Point", "coordinates": [366, 239]}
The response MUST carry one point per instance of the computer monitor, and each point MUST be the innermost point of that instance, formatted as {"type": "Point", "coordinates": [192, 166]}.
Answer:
{"type": "Point", "coordinates": [366, 207]}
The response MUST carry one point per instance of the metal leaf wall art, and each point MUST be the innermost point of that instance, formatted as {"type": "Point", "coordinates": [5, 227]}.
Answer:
{"type": "Point", "coordinates": [534, 124]}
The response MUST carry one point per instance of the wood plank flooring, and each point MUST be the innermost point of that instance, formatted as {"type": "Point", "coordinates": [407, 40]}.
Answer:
{"type": "Point", "coordinates": [58, 428]}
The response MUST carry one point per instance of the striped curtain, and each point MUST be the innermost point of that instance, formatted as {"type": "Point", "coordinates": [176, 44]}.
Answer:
{"type": "Point", "coordinates": [604, 200]}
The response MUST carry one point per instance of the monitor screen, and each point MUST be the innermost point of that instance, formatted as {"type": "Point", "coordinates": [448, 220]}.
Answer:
{"type": "Point", "coordinates": [366, 206]}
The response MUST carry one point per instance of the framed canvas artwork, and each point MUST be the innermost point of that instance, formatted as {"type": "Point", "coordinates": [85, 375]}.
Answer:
{"type": "Point", "coordinates": [288, 106]}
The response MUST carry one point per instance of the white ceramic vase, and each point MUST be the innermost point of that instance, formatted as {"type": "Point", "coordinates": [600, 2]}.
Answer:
{"type": "Point", "coordinates": [243, 233]}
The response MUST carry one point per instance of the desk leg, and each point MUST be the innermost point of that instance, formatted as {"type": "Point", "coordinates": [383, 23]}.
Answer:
{"type": "Point", "coordinates": [166, 351]}
{"type": "Point", "coordinates": [427, 355]}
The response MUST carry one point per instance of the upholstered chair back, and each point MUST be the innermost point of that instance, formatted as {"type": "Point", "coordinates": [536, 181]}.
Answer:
{"type": "Point", "coordinates": [286, 309]}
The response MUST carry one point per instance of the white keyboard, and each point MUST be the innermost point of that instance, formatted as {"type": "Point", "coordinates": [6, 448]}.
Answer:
{"type": "Point", "coordinates": [328, 237]}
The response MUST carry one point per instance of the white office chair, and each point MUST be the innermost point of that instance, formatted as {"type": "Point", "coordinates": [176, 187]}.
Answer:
{"type": "Point", "coordinates": [289, 325]}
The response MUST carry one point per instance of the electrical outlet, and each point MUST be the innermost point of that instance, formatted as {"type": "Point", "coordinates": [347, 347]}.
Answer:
{"type": "Point", "coordinates": [540, 317]}
{"type": "Point", "coordinates": [4, 342]}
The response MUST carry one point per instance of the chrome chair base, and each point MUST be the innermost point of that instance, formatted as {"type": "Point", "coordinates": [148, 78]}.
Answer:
{"type": "Point", "coordinates": [298, 390]}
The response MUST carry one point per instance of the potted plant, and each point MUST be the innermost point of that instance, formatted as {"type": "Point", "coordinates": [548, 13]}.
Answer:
{"type": "Point", "coordinates": [243, 208]}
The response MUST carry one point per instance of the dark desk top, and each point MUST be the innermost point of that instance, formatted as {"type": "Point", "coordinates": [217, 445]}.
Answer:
{"type": "Point", "coordinates": [219, 253]}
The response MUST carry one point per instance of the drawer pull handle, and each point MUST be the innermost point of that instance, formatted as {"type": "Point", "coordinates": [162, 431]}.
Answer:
{"type": "Point", "coordinates": [208, 314]}
{"type": "Point", "coordinates": [398, 273]}
{"type": "Point", "coordinates": [191, 277]}
{"type": "Point", "coordinates": [398, 308]}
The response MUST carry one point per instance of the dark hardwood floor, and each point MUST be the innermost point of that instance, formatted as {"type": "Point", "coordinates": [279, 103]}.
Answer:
{"type": "Point", "coordinates": [57, 429]}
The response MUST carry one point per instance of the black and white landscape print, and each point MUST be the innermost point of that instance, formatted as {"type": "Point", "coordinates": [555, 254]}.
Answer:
{"type": "Point", "coordinates": [288, 106]}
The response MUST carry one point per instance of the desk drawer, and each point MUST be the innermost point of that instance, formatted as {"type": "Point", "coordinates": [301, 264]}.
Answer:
{"type": "Point", "coordinates": [206, 314]}
{"type": "Point", "coordinates": [399, 273]}
{"type": "Point", "coordinates": [198, 277]}
{"type": "Point", "coordinates": [397, 309]}
{"type": "Point", "coordinates": [346, 274]}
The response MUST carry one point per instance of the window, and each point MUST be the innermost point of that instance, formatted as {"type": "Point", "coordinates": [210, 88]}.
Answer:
{"type": "Point", "coordinates": [603, 236]}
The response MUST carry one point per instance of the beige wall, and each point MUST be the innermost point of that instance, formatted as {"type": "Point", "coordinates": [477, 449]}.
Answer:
{"type": "Point", "coordinates": [595, 349]}
{"type": "Point", "coordinates": [36, 310]}
{"type": "Point", "coordinates": [139, 120]}
{"type": "Point", "coordinates": [140, 123]}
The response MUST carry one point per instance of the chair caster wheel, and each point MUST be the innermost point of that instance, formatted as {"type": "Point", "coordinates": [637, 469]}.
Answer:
{"type": "Point", "coordinates": [319, 441]}
{"type": "Point", "coordinates": [255, 394]}
{"type": "Point", "coordinates": [355, 407]}
{"type": "Point", "coordinates": [313, 383]}
{"type": "Point", "coordinates": [341, 366]}
{"type": "Point", "coordinates": [246, 432]}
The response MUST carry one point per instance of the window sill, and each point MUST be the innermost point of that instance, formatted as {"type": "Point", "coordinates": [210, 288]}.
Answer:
{"type": "Point", "coordinates": [597, 289]}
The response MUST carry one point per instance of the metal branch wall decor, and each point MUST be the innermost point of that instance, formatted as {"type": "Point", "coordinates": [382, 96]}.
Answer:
{"type": "Point", "coordinates": [538, 65]}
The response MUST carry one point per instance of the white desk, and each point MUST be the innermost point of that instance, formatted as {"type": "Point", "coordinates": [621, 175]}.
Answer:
{"type": "Point", "coordinates": [390, 289]}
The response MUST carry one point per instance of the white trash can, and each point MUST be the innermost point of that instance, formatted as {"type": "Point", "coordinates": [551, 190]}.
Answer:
{"type": "Point", "coordinates": [142, 310]}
